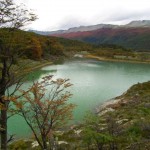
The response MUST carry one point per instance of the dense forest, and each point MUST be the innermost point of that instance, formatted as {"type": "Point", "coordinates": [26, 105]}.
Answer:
{"type": "Point", "coordinates": [35, 46]}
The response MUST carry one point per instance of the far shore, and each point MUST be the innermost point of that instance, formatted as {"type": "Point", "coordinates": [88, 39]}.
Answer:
{"type": "Point", "coordinates": [115, 60]}
{"type": "Point", "coordinates": [33, 65]}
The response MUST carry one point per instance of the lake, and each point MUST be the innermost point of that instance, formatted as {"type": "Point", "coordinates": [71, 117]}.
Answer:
{"type": "Point", "coordinates": [93, 81]}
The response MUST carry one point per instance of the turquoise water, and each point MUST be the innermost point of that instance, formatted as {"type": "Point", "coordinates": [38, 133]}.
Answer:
{"type": "Point", "coordinates": [94, 82]}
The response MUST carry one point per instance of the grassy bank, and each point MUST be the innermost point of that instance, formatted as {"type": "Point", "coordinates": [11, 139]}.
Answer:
{"type": "Point", "coordinates": [31, 65]}
{"type": "Point", "coordinates": [25, 66]}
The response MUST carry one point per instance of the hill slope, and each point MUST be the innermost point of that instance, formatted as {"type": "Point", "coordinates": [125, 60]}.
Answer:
{"type": "Point", "coordinates": [34, 46]}
{"type": "Point", "coordinates": [135, 38]}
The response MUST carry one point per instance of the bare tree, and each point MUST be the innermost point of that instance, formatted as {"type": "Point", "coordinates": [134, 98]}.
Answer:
{"type": "Point", "coordinates": [45, 108]}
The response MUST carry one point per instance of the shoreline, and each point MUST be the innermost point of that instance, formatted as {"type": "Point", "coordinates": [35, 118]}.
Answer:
{"type": "Point", "coordinates": [27, 66]}
{"type": "Point", "coordinates": [107, 106]}
{"type": "Point", "coordinates": [115, 60]}
{"type": "Point", "coordinates": [43, 63]}
{"type": "Point", "coordinates": [30, 69]}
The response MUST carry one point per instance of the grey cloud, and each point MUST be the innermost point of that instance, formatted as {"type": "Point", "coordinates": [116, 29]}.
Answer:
{"type": "Point", "coordinates": [127, 15]}
{"type": "Point", "coordinates": [121, 16]}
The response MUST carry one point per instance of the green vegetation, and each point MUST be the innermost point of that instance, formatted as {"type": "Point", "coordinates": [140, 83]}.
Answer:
{"type": "Point", "coordinates": [33, 46]}
{"type": "Point", "coordinates": [132, 112]}
{"type": "Point", "coordinates": [20, 145]}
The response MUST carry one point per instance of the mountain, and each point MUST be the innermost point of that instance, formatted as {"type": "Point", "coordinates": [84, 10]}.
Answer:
{"type": "Point", "coordinates": [47, 32]}
{"type": "Point", "coordinates": [133, 38]}
{"type": "Point", "coordinates": [135, 35]}
{"type": "Point", "coordinates": [143, 23]}
{"type": "Point", "coordinates": [75, 29]}
{"type": "Point", "coordinates": [85, 28]}
{"type": "Point", "coordinates": [139, 23]}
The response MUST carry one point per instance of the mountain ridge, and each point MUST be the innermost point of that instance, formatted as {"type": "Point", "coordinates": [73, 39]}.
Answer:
{"type": "Point", "coordinates": [134, 35]}
{"type": "Point", "coordinates": [132, 24]}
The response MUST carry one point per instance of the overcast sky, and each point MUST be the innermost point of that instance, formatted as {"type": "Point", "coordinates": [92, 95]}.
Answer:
{"type": "Point", "coordinates": [64, 14]}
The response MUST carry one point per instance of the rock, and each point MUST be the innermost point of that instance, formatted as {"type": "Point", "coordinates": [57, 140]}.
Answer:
{"type": "Point", "coordinates": [122, 121]}
{"type": "Point", "coordinates": [35, 144]}
{"type": "Point", "coordinates": [112, 103]}
{"type": "Point", "coordinates": [77, 131]}
{"type": "Point", "coordinates": [62, 142]}
{"type": "Point", "coordinates": [105, 111]}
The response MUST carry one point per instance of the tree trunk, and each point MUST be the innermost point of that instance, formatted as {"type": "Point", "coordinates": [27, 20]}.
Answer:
{"type": "Point", "coordinates": [3, 124]}
{"type": "Point", "coordinates": [44, 143]}
{"type": "Point", "coordinates": [4, 130]}
{"type": "Point", "coordinates": [3, 118]}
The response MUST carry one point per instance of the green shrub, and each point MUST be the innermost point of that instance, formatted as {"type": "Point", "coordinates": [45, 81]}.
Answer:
{"type": "Point", "coordinates": [20, 145]}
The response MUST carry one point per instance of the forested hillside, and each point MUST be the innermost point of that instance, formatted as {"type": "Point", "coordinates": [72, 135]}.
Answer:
{"type": "Point", "coordinates": [34, 46]}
